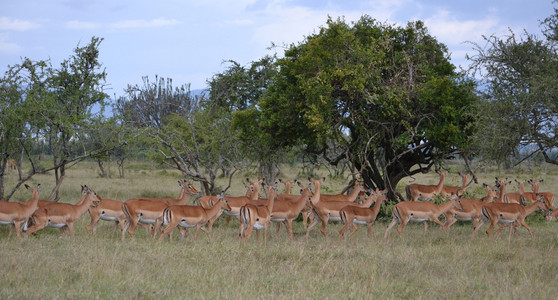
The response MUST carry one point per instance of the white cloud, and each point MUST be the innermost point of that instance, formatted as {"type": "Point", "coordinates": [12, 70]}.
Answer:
{"type": "Point", "coordinates": [78, 25]}
{"type": "Point", "coordinates": [8, 47]}
{"type": "Point", "coordinates": [449, 30]}
{"type": "Point", "coordinates": [17, 25]}
{"type": "Point", "coordinates": [155, 23]}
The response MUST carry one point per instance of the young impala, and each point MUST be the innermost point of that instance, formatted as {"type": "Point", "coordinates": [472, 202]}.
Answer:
{"type": "Point", "coordinates": [16, 214]}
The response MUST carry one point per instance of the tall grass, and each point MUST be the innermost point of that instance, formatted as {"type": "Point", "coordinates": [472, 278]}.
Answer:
{"type": "Point", "coordinates": [415, 265]}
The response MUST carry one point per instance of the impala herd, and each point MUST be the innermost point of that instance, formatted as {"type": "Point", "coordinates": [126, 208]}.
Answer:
{"type": "Point", "coordinates": [160, 216]}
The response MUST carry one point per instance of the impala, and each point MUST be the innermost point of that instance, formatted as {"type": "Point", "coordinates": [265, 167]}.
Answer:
{"type": "Point", "coordinates": [108, 210]}
{"type": "Point", "coordinates": [149, 211]}
{"type": "Point", "coordinates": [58, 215]}
{"type": "Point", "coordinates": [288, 184]}
{"type": "Point", "coordinates": [352, 197]}
{"type": "Point", "coordinates": [548, 196]}
{"type": "Point", "coordinates": [188, 216]}
{"type": "Point", "coordinates": [256, 217]}
{"type": "Point", "coordinates": [415, 191]}
{"type": "Point", "coordinates": [515, 197]}
{"type": "Point", "coordinates": [10, 163]}
{"type": "Point", "coordinates": [551, 215]}
{"type": "Point", "coordinates": [501, 183]}
{"type": "Point", "coordinates": [448, 190]}
{"type": "Point", "coordinates": [403, 212]}
{"type": "Point", "coordinates": [288, 211]}
{"type": "Point", "coordinates": [16, 214]}
{"type": "Point", "coordinates": [326, 211]}
{"type": "Point", "coordinates": [508, 214]}
{"type": "Point", "coordinates": [471, 209]}
{"type": "Point", "coordinates": [353, 215]}
{"type": "Point", "coordinates": [237, 202]}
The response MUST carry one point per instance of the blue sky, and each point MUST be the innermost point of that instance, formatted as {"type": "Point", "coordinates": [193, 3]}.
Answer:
{"type": "Point", "coordinates": [189, 40]}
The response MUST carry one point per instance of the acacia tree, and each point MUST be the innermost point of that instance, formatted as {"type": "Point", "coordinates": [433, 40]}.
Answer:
{"type": "Point", "coordinates": [235, 93]}
{"type": "Point", "coordinates": [520, 79]}
{"type": "Point", "coordinates": [55, 105]}
{"type": "Point", "coordinates": [387, 95]}
{"type": "Point", "coordinates": [180, 134]}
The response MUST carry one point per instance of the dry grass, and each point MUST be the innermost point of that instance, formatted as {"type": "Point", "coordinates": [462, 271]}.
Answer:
{"type": "Point", "coordinates": [435, 265]}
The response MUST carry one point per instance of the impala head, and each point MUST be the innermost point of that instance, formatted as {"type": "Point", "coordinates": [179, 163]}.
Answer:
{"type": "Point", "coordinates": [456, 198]}
{"type": "Point", "coordinates": [93, 198]}
{"type": "Point", "coordinates": [548, 215]}
{"type": "Point", "coordinates": [225, 204]}
{"type": "Point", "coordinates": [188, 187]}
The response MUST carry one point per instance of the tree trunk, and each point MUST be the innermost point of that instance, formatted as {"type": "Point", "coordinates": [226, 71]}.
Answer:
{"type": "Point", "coordinates": [101, 167]}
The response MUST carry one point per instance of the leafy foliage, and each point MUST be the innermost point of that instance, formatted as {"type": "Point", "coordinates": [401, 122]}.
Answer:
{"type": "Point", "coordinates": [388, 95]}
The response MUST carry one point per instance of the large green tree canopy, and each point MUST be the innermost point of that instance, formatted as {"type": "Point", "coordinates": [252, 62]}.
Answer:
{"type": "Point", "coordinates": [387, 95]}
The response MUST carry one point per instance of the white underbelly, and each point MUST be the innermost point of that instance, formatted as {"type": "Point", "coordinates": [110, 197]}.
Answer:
{"type": "Point", "coordinates": [147, 221]}
{"type": "Point", "coordinates": [55, 225]}
{"type": "Point", "coordinates": [228, 213]}
{"type": "Point", "coordinates": [505, 221]}
{"type": "Point", "coordinates": [278, 220]}
{"type": "Point", "coordinates": [413, 219]}
{"type": "Point", "coordinates": [103, 217]}
{"type": "Point", "coordinates": [334, 219]}
{"type": "Point", "coordinates": [359, 222]}
{"type": "Point", "coordinates": [464, 218]}
{"type": "Point", "coordinates": [185, 225]}
{"type": "Point", "coordinates": [6, 222]}
{"type": "Point", "coordinates": [258, 226]}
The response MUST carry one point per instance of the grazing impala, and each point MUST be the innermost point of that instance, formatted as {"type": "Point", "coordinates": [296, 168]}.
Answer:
{"type": "Point", "coordinates": [16, 214]}
{"type": "Point", "coordinates": [188, 216]}
{"type": "Point", "coordinates": [256, 217]}
{"type": "Point", "coordinates": [326, 211]}
{"type": "Point", "coordinates": [148, 211]}
{"type": "Point", "coordinates": [403, 212]}
{"type": "Point", "coordinates": [415, 191]}
{"type": "Point", "coordinates": [551, 215]}
{"type": "Point", "coordinates": [508, 214]}
{"type": "Point", "coordinates": [471, 209]}
{"type": "Point", "coordinates": [548, 196]}
{"type": "Point", "coordinates": [58, 215]}
{"type": "Point", "coordinates": [361, 215]}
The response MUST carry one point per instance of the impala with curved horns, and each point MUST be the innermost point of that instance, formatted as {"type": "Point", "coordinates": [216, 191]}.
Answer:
{"type": "Point", "coordinates": [58, 215]}
{"type": "Point", "coordinates": [405, 212]}
{"type": "Point", "coordinates": [415, 191]}
{"type": "Point", "coordinates": [16, 214]}
{"type": "Point", "coordinates": [149, 211]}
{"type": "Point", "coordinates": [189, 216]}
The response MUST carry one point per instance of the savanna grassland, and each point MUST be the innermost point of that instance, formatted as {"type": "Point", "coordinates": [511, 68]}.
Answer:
{"type": "Point", "coordinates": [435, 265]}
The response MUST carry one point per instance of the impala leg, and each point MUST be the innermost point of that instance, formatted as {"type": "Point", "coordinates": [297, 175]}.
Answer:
{"type": "Point", "coordinates": [476, 229]}
{"type": "Point", "coordinates": [342, 231]}
{"type": "Point", "coordinates": [354, 229]}
{"type": "Point", "coordinates": [402, 225]}
{"type": "Point", "coordinates": [12, 226]}
{"type": "Point", "coordinates": [314, 223]}
{"type": "Point", "coordinates": [168, 230]}
{"type": "Point", "coordinates": [290, 229]}
{"type": "Point", "coordinates": [425, 227]}
{"type": "Point", "coordinates": [393, 222]}
{"type": "Point", "coordinates": [278, 227]}
{"type": "Point", "coordinates": [70, 228]}
{"type": "Point", "coordinates": [265, 235]}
